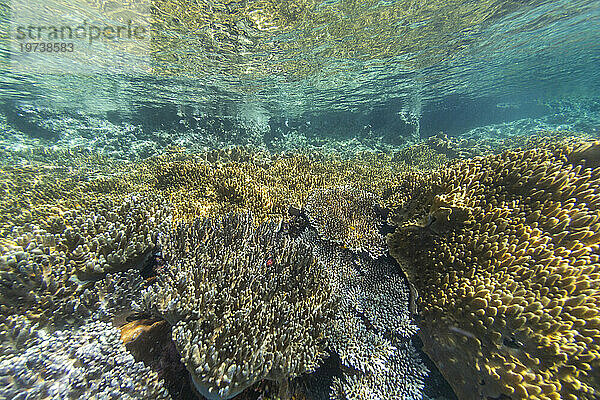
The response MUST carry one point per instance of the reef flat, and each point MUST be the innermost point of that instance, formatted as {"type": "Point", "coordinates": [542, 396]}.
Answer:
{"type": "Point", "coordinates": [241, 273]}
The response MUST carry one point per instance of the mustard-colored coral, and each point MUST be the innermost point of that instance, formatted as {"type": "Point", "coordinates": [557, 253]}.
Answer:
{"type": "Point", "coordinates": [504, 251]}
{"type": "Point", "coordinates": [69, 215]}
{"type": "Point", "coordinates": [348, 217]}
{"type": "Point", "coordinates": [216, 183]}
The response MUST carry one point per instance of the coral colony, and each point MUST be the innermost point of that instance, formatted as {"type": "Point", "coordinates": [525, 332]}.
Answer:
{"type": "Point", "coordinates": [303, 276]}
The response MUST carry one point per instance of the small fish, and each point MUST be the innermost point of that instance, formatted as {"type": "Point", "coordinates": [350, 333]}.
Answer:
{"type": "Point", "coordinates": [269, 262]}
{"type": "Point", "coordinates": [512, 342]}
{"type": "Point", "coordinates": [125, 317]}
{"type": "Point", "coordinates": [279, 226]}
{"type": "Point", "coordinates": [414, 296]}
{"type": "Point", "coordinates": [460, 331]}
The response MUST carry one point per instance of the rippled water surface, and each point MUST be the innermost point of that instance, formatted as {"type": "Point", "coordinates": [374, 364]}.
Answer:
{"type": "Point", "coordinates": [292, 58]}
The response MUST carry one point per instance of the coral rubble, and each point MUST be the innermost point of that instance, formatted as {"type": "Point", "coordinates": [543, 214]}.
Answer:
{"type": "Point", "coordinates": [504, 252]}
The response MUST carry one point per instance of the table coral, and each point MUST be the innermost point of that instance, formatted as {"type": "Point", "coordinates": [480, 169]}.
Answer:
{"type": "Point", "coordinates": [245, 302]}
{"type": "Point", "coordinates": [371, 329]}
{"type": "Point", "coordinates": [506, 258]}
{"type": "Point", "coordinates": [348, 217]}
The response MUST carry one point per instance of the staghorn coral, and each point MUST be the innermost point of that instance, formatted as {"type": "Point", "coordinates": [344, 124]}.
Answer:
{"type": "Point", "coordinates": [506, 261]}
{"type": "Point", "coordinates": [216, 183]}
{"type": "Point", "coordinates": [89, 362]}
{"type": "Point", "coordinates": [39, 184]}
{"type": "Point", "coordinates": [245, 303]}
{"type": "Point", "coordinates": [348, 217]}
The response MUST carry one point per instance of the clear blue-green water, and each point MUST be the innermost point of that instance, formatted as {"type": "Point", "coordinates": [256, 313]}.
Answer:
{"type": "Point", "coordinates": [398, 70]}
{"type": "Point", "coordinates": [94, 92]}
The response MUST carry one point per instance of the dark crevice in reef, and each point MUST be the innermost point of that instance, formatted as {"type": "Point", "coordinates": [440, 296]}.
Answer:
{"type": "Point", "coordinates": [316, 384]}
{"type": "Point", "coordinates": [436, 387]}
{"type": "Point", "coordinates": [153, 345]}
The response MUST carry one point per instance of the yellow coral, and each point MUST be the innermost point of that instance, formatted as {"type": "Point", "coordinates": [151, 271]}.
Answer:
{"type": "Point", "coordinates": [349, 217]}
{"type": "Point", "coordinates": [240, 180]}
{"type": "Point", "coordinates": [506, 261]}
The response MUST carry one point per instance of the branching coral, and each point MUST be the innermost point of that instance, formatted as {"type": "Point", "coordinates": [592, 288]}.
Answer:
{"type": "Point", "coordinates": [114, 295]}
{"type": "Point", "coordinates": [38, 185]}
{"type": "Point", "coordinates": [34, 278]}
{"type": "Point", "coordinates": [217, 183]}
{"type": "Point", "coordinates": [401, 377]}
{"type": "Point", "coordinates": [112, 237]}
{"type": "Point", "coordinates": [507, 266]}
{"type": "Point", "coordinates": [39, 265]}
{"type": "Point", "coordinates": [246, 303]}
{"type": "Point", "coordinates": [90, 362]}
{"type": "Point", "coordinates": [371, 330]}
{"type": "Point", "coordinates": [348, 217]}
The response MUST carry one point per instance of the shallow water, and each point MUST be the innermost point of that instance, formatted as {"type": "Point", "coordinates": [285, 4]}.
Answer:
{"type": "Point", "coordinates": [119, 120]}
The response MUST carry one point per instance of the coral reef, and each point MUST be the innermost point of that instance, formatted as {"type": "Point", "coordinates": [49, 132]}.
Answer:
{"type": "Point", "coordinates": [494, 140]}
{"type": "Point", "coordinates": [348, 217]}
{"type": "Point", "coordinates": [209, 183]}
{"type": "Point", "coordinates": [114, 296]}
{"type": "Point", "coordinates": [245, 302]}
{"type": "Point", "coordinates": [39, 184]}
{"type": "Point", "coordinates": [504, 253]}
{"type": "Point", "coordinates": [35, 279]}
{"type": "Point", "coordinates": [89, 362]}
{"type": "Point", "coordinates": [216, 183]}
{"type": "Point", "coordinates": [41, 267]}
{"type": "Point", "coordinates": [15, 331]}
{"type": "Point", "coordinates": [112, 236]}
{"type": "Point", "coordinates": [401, 377]}
{"type": "Point", "coordinates": [371, 329]}
{"type": "Point", "coordinates": [74, 254]}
